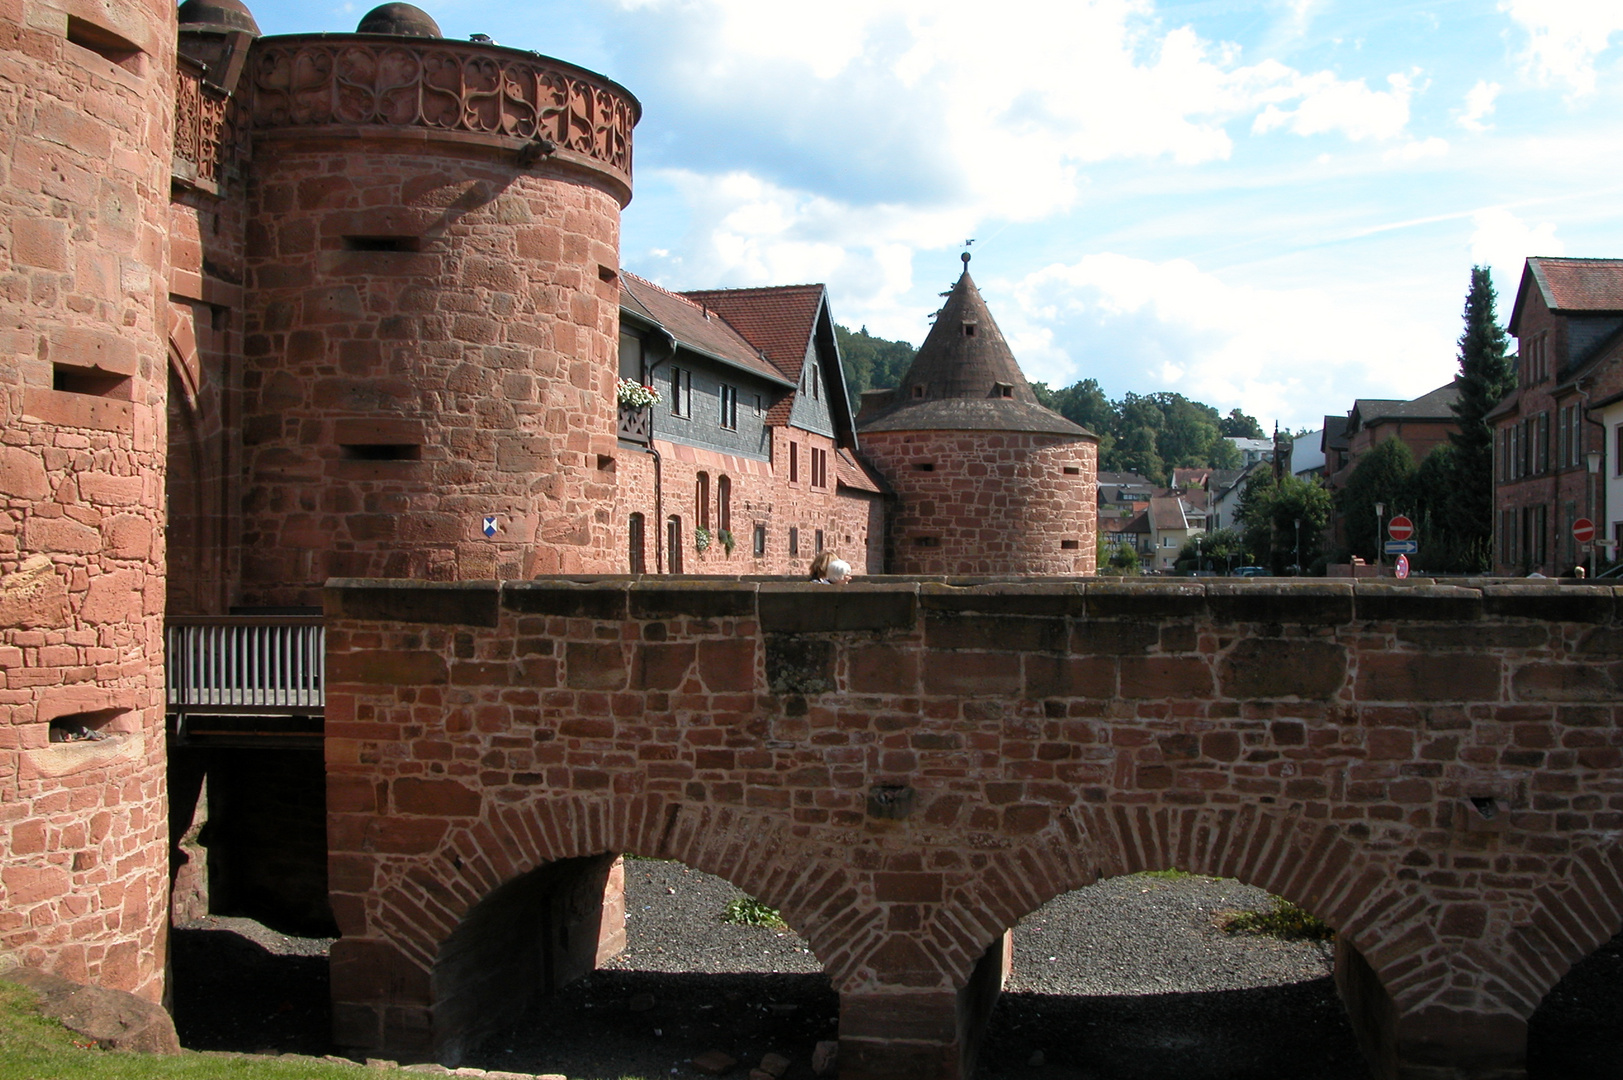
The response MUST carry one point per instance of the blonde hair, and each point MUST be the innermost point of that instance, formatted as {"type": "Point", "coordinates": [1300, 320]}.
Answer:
{"type": "Point", "coordinates": [819, 566]}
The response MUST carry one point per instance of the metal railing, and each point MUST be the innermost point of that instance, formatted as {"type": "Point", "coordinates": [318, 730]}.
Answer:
{"type": "Point", "coordinates": [258, 665]}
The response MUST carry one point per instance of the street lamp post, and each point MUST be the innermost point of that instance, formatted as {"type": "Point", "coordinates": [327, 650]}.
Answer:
{"type": "Point", "coordinates": [1380, 522]}
{"type": "Point", "coordinates": [1592, 459]}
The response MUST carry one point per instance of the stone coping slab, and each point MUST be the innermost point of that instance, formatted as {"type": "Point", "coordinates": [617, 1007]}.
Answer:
{"type": "Point", "coordinates": [883, 603]}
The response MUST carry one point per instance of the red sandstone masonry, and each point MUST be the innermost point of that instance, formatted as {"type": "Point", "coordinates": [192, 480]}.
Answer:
{"type": "Point", "coordinates": [976, 502]}
{"type": "Point", "coordinates": [558, 719]}
{"type": "Point", "coordinates": [84, 193]}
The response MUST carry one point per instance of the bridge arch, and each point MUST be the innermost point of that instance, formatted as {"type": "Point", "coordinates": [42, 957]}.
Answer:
{"type": "Point", "coordinates": [523, 885]}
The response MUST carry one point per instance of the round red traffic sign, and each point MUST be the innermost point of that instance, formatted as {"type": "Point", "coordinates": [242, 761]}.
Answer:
{"type": "Point", "coordinates": [1583, 530]}
{"type": "Point", "coordinates": [1400, 528]}
{"type": "Point", "coordinates": [1403, 566]}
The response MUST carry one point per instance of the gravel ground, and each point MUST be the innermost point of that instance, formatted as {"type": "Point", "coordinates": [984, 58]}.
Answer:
{"type": "Point", "coordinates": [1127, 980]}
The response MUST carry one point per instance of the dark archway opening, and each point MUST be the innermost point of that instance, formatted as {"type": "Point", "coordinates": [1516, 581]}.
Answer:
{"type": "Point", "coordinates": [1134, 977]}
{"type": "Point", "coordinates": [688, 983]}
{"type": "Point", "coordinates": [1577, 1029]}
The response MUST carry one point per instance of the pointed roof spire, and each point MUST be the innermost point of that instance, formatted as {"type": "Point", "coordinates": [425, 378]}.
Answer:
{"type": "Point", "coordinates": [965, 377]}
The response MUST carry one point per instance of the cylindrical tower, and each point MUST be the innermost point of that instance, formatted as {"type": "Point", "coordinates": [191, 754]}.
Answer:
{"type": "Point", "coordinates": [86, 101]}
{"type": "Point", "coordinates": [987, 481]}
{"type": "Point", "coordinates": [432, 310]}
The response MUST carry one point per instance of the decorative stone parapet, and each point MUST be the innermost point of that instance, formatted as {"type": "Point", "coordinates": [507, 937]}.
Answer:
{"type": "Point", "coordinates": [445, 91]}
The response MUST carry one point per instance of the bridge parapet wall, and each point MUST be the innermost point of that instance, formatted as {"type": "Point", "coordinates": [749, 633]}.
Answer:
{"type": "Point", "coordinates": [906, 767]}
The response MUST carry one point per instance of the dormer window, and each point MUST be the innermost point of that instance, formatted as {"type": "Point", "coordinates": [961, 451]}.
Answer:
{"type": "Point", "coordinates": [969, 329]}
{"type": "Point", "coordinates": [918, 391]}
{"type": "Point", "coordinates": [1003, 390]}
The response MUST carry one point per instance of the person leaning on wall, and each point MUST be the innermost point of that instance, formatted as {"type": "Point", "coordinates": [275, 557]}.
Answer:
{"type": "Point", "coordinates": [827, 570]}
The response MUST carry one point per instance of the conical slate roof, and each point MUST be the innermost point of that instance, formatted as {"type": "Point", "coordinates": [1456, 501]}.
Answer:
{"type": "Point", "coordinates": [964, 378]}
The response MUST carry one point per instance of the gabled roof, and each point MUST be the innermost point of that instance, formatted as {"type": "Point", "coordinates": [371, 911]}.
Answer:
{"type": "Point", "coordinates": [1571, 285]}
{"type": "Point", "coordinates": [1335, 434]}
{"type": "Point", "coordinates": [965, 378]}
{"type": "Point", "coordinates": [778, 320]}
{"type": "Point", "coordinates": [693, 326]}
{"type": "Point", "coordinates": [852, 472]}
{"type": "Point", "coordinates": [1437, 404]}
{"type": "Point", "coordinates": [1166, 513]}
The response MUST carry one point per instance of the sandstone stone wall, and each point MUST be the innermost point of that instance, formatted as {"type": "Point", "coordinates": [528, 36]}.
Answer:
{"type": "Point", "coordinates": [907, 768]}
{"type": "Point", "coordinates": [852, 522]}
{"type": "Point", "coordinates": [86, 101]}
{"type": "Point", "coordinates": [973, 502]}
{"type": "Point", "coordinates": [481, 354]}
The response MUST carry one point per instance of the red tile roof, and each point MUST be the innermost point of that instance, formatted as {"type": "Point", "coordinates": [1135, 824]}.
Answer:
{"type": "Point", "coordinates": [692, 324]}
{"type": "Point", "coordinates": [1571, 285]}
{"type": "Point", "coordinates": [779, 320]}
{"type": "Point", "coordinates": [851, 472]}
{"type": "Point", "coordinates": [1581, 284]}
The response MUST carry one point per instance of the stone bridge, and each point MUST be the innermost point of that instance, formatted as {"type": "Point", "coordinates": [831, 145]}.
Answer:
{"type": "Point", "coordinates": [907, 767]}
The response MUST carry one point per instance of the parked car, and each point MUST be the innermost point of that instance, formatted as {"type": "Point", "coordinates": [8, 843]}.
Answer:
{"type": "Point", "coordinates": [1249, 571]}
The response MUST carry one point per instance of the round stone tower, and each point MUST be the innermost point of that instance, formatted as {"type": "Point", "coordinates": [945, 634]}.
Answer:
{"type": "Point", "coordinates": [86, 101]}
{"type": "Point", "coordinates": [432, 310]}
{"type": "Point", "coordinates": [987, 481]}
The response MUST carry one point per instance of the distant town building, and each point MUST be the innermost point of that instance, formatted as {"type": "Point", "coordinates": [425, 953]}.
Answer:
{"type": "Point", "coordinates": [1562, 418]}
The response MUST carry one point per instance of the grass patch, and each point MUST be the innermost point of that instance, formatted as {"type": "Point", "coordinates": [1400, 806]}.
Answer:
{"type": "Point", "coordinates": [748, 911]}
{"type": "Point", "coordinates": [1284, 920]}
{"type": "Point", "coordinates": [34, 1048]}
{"type": "Point", "coordinates": [1169, 874]}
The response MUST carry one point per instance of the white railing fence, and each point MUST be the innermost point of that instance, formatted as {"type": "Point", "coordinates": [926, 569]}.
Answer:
{"type": "Point", "coordinates": [265, 665]}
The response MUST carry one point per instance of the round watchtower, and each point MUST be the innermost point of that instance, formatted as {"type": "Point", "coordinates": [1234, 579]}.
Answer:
{"type": "Point", "coordinates": [87, 106]}
{"type": "Point", "coordinates": [987, 481]}
{"type": "Point", "coordinates": [432, 310]}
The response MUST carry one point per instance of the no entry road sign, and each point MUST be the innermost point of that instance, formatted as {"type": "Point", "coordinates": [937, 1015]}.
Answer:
{"type": "Point", "coordinates": [1583, 530]}
{"type": "Point", "coordinates": [1400, 528]}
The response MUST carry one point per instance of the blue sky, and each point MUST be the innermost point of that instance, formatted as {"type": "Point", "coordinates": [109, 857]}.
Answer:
{"type": "Point", "coordinates": [1272, 204]}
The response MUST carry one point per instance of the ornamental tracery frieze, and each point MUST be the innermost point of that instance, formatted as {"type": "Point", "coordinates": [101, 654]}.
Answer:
{"type": "Point", "coordinates": [445, 86]}
{"type": "Point", "coordinates": [210, 136]}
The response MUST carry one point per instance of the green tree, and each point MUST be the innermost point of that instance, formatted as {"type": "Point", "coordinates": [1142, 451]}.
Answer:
{"type": "Point", "coordinates": [1384, 475]}
{"type": "Point", "coordinates": [1137, 453]}
{"type": "Point", "coordinates": [871, 363]}
{"type": "Point", "coordinates": [1086, 404]}
{"type": "Point", "coordinates": [1237, 425]}
{"type": "Point", "coordinates": [1486, 376]}
{"type": "Point", "coordinates": [1433, 487]}
{"type": "Point", "coordinates": [1220, 550]}
{"type": "Point", "coordinates": [1269, 512]}
{"type": "Point", "coordinates": [1118, 559]}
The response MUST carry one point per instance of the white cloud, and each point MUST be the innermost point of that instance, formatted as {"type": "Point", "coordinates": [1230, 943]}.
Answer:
{"type": "Point", "coordinates": [1479, 105]}
{"type": "Point", "coordinates": [1417, 150]}
{"type": "Point", "coordinates": [1503, 241]}
{"type": "Point", "coordinates": [1285, 354]}
{"type": "Point", "coordinates": [1330, 104]}
{"type": "Point", "coordinates": [1565, 37]}
{"type": "Point", "coordinates": [833, 148]}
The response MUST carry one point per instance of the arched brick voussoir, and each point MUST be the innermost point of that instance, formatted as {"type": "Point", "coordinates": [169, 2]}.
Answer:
{"type": "Point", "coordinates": [424, 897]}
{"type": "Point", "coordinates": [1312, 864]}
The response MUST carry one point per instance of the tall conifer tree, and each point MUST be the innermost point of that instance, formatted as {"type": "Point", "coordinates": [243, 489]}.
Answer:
{"type": "Point", "coordinates": [1486, 376]}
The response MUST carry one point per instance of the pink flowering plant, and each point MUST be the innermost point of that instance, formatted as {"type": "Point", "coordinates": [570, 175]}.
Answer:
{"type": "Point", "coordinates": [633, 393]}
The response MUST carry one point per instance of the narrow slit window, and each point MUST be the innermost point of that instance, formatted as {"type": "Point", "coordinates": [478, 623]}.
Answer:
{"type": "Point", "coordinates": [382, 452]}
{"type": "Point", "coordinates": [638, 558]}
{"type": "Point", "coordinates": [1073, 470]}
{"type": "Point", "coordinates": [92, 382]}
{"type": "Point", "coordinates": [84, 726]}
{"type": "Point", "coordinates": [383, 243]}
{"type": "Point", "coordinates": [760, 541]}
{"type": "Point", "coordinates": [794, 542]}
{"type": "Point", "coordinates": [104, 43]}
